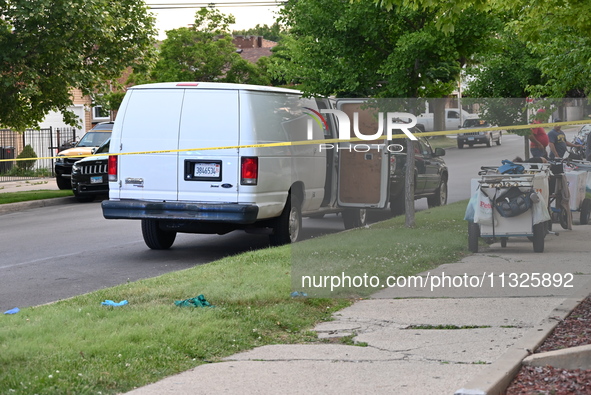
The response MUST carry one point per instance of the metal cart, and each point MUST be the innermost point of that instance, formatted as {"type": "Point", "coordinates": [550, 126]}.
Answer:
{"type": "Point", "coordinates": [522, 225]}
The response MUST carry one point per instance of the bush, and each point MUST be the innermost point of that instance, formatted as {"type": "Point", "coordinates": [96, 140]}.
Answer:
{"type": "Point", "coordinates": [27, 152]}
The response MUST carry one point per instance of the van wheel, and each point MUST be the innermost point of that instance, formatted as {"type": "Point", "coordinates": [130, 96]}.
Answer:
{"type": "Point", "coordinates": [156, 238]}
{"type": "Point", "coordinates": [288, 225]}
{"type": "Point", "coordinates": [440, 197]}
{"type": "Point", "coordinates": [63, 183]}
{"type": "Point", "coordinates": [354, 218]}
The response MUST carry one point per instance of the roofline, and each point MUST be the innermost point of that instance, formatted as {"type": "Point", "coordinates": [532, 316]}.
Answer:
{"type": "Point", "coordinates": [214, 85]}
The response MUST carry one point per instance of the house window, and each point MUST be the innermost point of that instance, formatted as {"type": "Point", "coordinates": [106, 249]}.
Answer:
{"type": "Point", "coordinates": [98, 112]}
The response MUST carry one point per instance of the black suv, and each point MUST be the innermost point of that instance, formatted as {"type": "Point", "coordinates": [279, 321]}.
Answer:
{"type": "Point", "coordinates": [89, 175]}
{"type": "Point", "coordinates": [431, 174]}
{"type": "Point", "coordinates": [91, 140]}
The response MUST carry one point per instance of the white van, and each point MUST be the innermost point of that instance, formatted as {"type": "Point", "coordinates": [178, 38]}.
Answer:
{"type": "Point", "coordinates": [197, 157]}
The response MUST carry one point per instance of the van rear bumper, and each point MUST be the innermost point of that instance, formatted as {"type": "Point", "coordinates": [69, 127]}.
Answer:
{"type": "Point", "coordinates": [220, 213]}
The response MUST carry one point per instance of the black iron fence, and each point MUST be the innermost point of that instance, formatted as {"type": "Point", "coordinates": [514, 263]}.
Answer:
{"type": "Point", "coordinates": [41, 145]}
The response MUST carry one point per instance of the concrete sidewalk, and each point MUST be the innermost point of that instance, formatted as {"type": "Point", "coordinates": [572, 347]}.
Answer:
{"type": "Point", "coordinates": [500, 326]}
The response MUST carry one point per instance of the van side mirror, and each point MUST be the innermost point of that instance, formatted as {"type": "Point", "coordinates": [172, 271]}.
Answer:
{"type": "Point", "coordinates": [93, 150]}
{"type": "Point", "coordinates": [439, 152]}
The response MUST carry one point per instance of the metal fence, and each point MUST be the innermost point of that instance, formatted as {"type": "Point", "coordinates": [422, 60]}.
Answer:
{"type": "Point", "coordinates": [44, 143]}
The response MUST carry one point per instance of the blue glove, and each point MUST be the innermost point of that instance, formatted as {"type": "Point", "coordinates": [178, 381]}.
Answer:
{"type": "Point", "coordinates": [12, 311]}
{"type": "Point", "coordinates": [111, 303]}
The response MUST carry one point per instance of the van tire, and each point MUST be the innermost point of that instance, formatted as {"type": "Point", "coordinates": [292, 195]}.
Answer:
{"type": "Point", "coordinates": [288, 225]}
{"type": "Point", "coordinates": [354, 218]}
{"type": "Point", "coordinates": [156, 238]}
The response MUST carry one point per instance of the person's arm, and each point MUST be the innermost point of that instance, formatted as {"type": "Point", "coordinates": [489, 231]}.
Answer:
{"type": "Point", "coordinates": [553, 149]}
{"type": "Point", "coordinates": [535, 141]}
{"type": "Point", "coordinates": [573, 145]}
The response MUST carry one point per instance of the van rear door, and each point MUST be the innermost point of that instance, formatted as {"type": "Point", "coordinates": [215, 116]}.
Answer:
{"type": "Point", "coordinates": [210, 119]}
{"type": "Point", "coordinates": [150, 122]}
{"type": "Point", "coordinates": [364, 167]}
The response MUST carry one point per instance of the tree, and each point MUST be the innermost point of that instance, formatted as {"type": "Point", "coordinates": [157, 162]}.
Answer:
{"type": "Point", "coordinates": [358, 49]}
{"type": "Point", "coordinates": [48, 48]}
{"type": "Point", "coordinates": [272, 33]}
{"type": "Point", "coordinates": [204, 52]}
{"type": "Point", "coordinates": [558, 31]}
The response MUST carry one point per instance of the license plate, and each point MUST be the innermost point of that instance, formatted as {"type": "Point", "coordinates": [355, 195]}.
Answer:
{"type": "Point", "coordinates": [96, 180]}
{"type": "Point", "coordinates": [207, 170]}
{"type": "Point", "coordinates": [470, 138]}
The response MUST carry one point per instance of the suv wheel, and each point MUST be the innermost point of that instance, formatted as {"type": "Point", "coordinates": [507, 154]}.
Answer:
{"type": "Point", "coordinates": [460, 145]}
{"type": "Point", "coordinates": [500, 138]}
{"type": "Point", "coordinates": [397, 205]}
{"type": "Point", "coordinates": [440, 196]}
{"type": "Point", "coordinates": [63, 183]}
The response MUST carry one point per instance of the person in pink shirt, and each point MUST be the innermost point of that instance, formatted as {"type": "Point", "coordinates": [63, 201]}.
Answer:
{"type": "Point", "coordinates": [538, 140]}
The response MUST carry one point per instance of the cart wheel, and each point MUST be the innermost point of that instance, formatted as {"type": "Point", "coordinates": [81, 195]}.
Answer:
{"type": "Point", "coordinates": [473, 235]}
{"type": "Point", "coordinates": [504, 242]}
{"type": "Point", "coordinates": [585, 211]}
{"type": "Point", "coordinates": [563, 218]}
{"type": "Point", "coordinates": [539, 234]}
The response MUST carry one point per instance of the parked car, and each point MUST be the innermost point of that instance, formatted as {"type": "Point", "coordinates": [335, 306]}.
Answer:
{"type": "Point", "coordinates": [89, 175]}
{"type": "Point", "coordinates": [480, 137]}
{"type": "Point", "coordinates": [431, 175]}
{"type": "Point", "coordinates": [91, 140]}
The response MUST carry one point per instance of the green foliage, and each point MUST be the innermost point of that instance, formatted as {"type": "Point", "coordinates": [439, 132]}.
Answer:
{"type": "Point", "coordinates": [27, 152]}
{"type": "Point", "coordinates": [204, 52]}
{"type": "Point", "coordinates": [272, 33]}
{"type": "Point", "coordinates": [358, 49]}
{"type": "Point", "coordinates": [47, 48]}
{"type": "Point", "coordinates": [557, 31]}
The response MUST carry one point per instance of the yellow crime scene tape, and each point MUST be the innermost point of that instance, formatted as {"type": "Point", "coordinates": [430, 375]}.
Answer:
{"type": "Point", "coordinates": [308, 142]}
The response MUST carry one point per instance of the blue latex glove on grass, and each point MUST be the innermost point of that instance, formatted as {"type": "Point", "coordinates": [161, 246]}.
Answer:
{"type": "Point", "coordinates": [111, 303]}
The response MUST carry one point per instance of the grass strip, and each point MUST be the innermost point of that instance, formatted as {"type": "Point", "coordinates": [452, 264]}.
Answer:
{"type": "Point", "coordinates": [15, 197]}
{"type": "Point", "coordinates": [77, 346]}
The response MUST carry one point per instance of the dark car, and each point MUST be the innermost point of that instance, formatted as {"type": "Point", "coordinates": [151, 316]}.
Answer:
{"type": "Point", "coordinates": [91, 140]}
{"type": "Point", "coordinates": [431, 175]}
{"type": "Point", "coordinates": [89, 175]}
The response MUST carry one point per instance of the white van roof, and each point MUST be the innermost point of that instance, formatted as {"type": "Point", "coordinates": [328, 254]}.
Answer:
{"type": "Point", "coordinates": [214, 85]}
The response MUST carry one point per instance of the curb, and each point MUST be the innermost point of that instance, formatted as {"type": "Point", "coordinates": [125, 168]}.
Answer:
{"type": "Point", "coordinates": [496, 378]}
{"type": "Point", "coordinates": [20, 206]}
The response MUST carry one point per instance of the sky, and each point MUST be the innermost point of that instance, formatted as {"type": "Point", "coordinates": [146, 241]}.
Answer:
{"type": "Point", "coordinates": [172, 14]}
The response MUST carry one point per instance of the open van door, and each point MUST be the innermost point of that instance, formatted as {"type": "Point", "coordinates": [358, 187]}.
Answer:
{"type": "Point", "coordinates": [364, 166]}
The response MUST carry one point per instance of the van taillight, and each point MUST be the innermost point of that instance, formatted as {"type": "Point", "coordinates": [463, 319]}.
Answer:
{"type": "Point", "coordinates": [249, 173]}
{"type": "Point", "coordinates": [112, 167]}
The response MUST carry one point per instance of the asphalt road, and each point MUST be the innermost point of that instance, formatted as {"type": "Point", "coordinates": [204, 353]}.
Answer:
{"type": "Point", "coordinates": [53, 253]}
